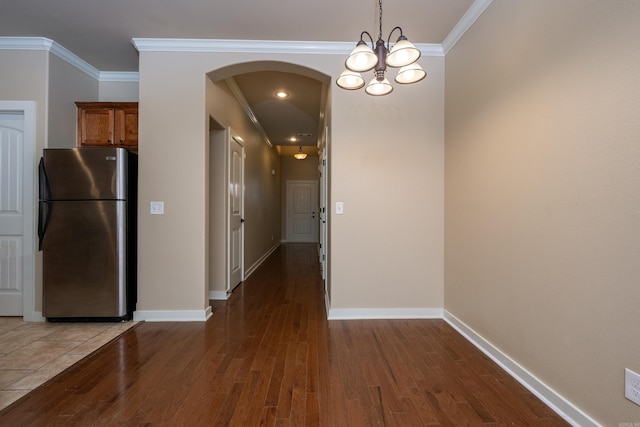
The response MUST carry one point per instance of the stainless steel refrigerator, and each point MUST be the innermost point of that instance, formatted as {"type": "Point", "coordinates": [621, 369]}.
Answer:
{"type": "Point", "coordinates": [87, 232]}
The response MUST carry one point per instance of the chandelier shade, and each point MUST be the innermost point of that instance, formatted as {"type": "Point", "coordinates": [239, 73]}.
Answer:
{"type": "Point", "coordinates": [412, 73]}
{"type": "Point", "coordinates": [377, 57]}
{"type": "Point", "coordinates": [403, 53]}
{"type": "Point", "coordinates": [361, 58]}
{"type": "Point", "coordinates": [350, 80]}
{"type": "Point", "coordinates": [379, 88]}
{"type": "Point", "coordinates": [300, 155]}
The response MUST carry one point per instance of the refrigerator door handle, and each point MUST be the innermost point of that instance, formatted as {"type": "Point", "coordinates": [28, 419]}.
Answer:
{"type": "Point", "coordinates": [44, 187]}
{"type": "Point", "coordinates": [44, 211]}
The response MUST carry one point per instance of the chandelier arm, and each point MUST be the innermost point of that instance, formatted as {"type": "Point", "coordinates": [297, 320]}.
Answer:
{"type": "Point", "coordinates": [370, 38]}
{"type": "Point", "coordinates": [391, 33]}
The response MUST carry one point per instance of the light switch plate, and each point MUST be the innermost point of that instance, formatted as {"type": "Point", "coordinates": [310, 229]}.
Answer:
{"type": "Point", "coordinates": [339, 208]}
{"type": "Point", "coordinates": [156, 208]}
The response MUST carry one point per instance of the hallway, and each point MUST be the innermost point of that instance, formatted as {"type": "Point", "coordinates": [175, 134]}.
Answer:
{"type": "Point", "coordinates": [268, 356]}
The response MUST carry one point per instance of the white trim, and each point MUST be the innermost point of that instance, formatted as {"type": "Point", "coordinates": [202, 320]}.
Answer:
{"type": "Point", "coordinates": [48, 45]}
{"type": "Point", "coordinates": [219, 295]}
{"type": "Point", "coordinates": [563, 407]}
{"type": "Point", "coordinates": [119, 76]}
{"type": "Point", "coordinates": [259, 46]}
{"type": "Point", "coordinates": [259, 262]}
{"type": "Point", "coordinates": [384, 313]}
{"type": "Point", "coordinates": [172, 315]}
{"type": "Point", "coordinates": [71, 58]}
{"type": "Point", "coordinates": [36, 316]}
{"type": "Point", "coordinates": [463, 25]}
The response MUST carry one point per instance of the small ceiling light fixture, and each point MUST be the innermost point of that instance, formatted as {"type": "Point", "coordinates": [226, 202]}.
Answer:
{"type": "Point", "coordinates": [282, 94]}
{"type": "Point", "coordinates": [300, 155]}
{"type": "Point", "coordinates": [363, 58]}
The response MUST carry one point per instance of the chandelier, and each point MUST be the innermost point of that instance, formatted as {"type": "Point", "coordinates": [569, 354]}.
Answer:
{"type": "Point", "coordinates": [300, 155]}
{"type": "Point", "coordinates": [363, 58]}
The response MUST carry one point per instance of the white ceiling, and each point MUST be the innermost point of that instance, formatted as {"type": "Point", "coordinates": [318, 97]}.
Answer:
{"type": "Point", "coordinates": [100, 32]}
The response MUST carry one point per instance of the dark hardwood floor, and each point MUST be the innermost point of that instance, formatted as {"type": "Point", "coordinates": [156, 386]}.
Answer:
{"type": "Point", "coordinates": [268, 356]}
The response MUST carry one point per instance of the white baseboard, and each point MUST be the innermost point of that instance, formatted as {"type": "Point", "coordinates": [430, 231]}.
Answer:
{"type": "Point", "coordinates": [219, 295]}
{"type": "Point", "coordinates": [34, 316]}
{"type": "Point", "coordinates": [172, 315]}
{"type": "Point", "coordinates": [383, 313]}
{"type": "Point", "coordinates": [259, 262]}
{"type": "Point", "coordinates": [567, 410]}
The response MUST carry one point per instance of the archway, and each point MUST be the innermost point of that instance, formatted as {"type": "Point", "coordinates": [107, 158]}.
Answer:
{"type": "Point", "coordinates": [240, 98]}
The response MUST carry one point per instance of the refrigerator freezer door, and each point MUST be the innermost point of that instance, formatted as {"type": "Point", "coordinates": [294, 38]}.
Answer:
{"type": "Point", "coordinates": [85, 260]}
{"type": "Point", "coordinates": [84, 173]}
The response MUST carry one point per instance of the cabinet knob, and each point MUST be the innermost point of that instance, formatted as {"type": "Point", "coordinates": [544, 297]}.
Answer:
{"type": "Point", "coordinates": [121, 142]}
{"type": "Point", "coordinates": [109, 141]}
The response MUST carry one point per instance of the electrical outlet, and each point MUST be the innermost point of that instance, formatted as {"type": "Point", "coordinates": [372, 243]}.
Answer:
{"type": "Point", "coordinates": [156, 208]}
{"type": "Point", "coordinates": [632, 386]}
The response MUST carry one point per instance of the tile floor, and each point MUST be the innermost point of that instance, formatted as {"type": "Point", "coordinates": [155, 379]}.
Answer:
{"type": "Point", "coordinates": [31, 353]}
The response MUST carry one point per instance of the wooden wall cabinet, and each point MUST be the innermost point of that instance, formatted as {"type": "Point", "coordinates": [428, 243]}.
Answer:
{"type": "Point", "coordinates": [107, 124]}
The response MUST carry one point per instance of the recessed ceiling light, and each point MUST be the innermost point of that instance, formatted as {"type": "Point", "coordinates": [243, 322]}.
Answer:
{"type": "Point", "coordinates": [293, 139]}
{"type": "Point", "coordinates": [282, 94]}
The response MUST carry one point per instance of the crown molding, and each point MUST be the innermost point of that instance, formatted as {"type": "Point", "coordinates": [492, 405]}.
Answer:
{"type": "Point", "coordinates": [48, 45]}
{"type": "Point", "coordinates": [119, 76]}
{"type": "Point", "coordinates": [259, 46]}
{"type": "Point", "coordinates": [463, 25]}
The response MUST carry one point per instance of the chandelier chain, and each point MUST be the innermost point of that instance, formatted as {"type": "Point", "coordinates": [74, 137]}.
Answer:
{"type": "Point", "coordinates": [380, 19]}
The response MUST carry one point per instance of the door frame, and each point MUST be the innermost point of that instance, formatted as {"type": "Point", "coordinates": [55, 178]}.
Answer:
{"type": "Point", "coordinates": [231, 138]}
{"type": "Point", "coordinates": [323, 215]}
{"type": "Point", "coordinates": [28, 110]}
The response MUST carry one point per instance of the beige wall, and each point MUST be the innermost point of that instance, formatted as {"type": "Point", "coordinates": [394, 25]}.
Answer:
{"type": "Point", "coordinates": [67, 84]}
{"type": "Point", "coordinates": [542, 193]}
{"type": "Point", "coordinates": [118, 91]}
{"type": "Point", "coordinates": [24, 77]}
{"type": "Point", "coordinates": [387, 167]}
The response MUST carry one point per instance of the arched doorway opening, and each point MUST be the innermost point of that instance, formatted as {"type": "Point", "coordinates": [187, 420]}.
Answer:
{"type": "Point", "coordinates": [243, 107]}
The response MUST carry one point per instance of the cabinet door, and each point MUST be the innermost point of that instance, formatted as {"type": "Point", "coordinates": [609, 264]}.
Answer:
{"type": "Point", "coordinates": [126, 127]}
{"type": "Point", "coordinates": [96, 127]}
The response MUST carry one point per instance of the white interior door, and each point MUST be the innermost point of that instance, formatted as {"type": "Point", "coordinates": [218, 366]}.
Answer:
{"type": "Point", "coordinates": [16, 209]}
{"type": "Point", "coordinates": [236, 212]}
{"type": "Point", "coordinates": [302, 211]}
